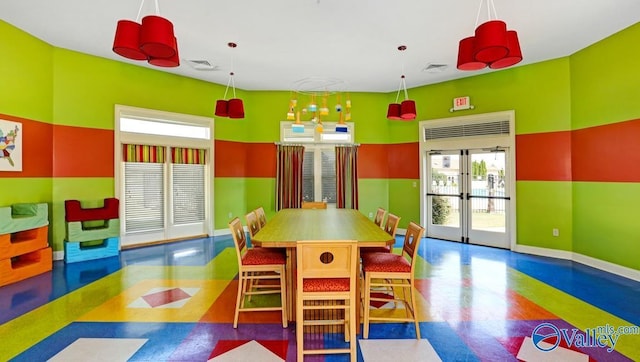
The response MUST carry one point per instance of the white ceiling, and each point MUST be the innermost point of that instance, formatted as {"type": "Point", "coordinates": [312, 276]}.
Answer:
{"type": "Point", "coordinates": [303, 44]}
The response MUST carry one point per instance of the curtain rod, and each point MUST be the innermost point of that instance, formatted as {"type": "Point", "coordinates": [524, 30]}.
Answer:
{"type": "Point", "coordinates": [315, 144]}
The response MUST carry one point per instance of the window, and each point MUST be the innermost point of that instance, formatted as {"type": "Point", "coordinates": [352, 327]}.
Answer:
{"type": "Point", "coordinates": [319, 166]}
{"type": "Point", "coordinates": [163, 173]}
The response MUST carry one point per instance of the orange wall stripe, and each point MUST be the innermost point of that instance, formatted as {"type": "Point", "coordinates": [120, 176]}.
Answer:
{"type": "Point", "coordinates": [372, 161]}
{"type": "Point", "coordinates": [608, 153]}
{"type": "Point", "coordinates": [261, 160]}
{"type": "Point", "coordinates": [82, 152]}
{"type": "Point", "coordinates": [404, 160]}
{"type": "Point", "coordinates": [230, 159]}
{"type": "Point", "coordinates": [543, 156]}
{"type": "Point", "coordinates": [37, 143]}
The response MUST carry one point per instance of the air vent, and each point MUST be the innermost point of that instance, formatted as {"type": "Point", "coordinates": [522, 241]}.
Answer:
{"type": "Point", "coordinates": [467, 130]}
{"type": "Point", "coordinates": [201, 64]}
{"type": "Point", "coordinates": [435, 68]}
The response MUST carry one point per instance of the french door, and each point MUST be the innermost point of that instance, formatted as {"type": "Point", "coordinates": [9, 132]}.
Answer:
{"type": "Point", "coordinates": [468, 195]}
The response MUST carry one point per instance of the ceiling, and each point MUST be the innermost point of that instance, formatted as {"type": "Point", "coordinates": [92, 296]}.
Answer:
{"type": "Point", "coordinates": [346, 45]}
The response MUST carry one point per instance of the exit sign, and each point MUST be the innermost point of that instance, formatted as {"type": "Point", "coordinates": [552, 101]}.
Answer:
{"type": "Point", "coordinates": [460, 103]}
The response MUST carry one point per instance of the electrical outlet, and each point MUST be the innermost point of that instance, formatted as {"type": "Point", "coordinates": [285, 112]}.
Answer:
{"type": "Point", "coordinates": [370, 214]}
{"type": "Point", "coordinates": [230, 215]}
{"type": "Point", "coordinates": [555, 232]}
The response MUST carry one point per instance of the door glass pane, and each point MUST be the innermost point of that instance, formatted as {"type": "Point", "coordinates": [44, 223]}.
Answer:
{"type": "Point", "coordinates": [445, 211]}
{"type": "Point", "coordinates": [488, 182]}
{"type": "Point", "coordinates": [445, 174]}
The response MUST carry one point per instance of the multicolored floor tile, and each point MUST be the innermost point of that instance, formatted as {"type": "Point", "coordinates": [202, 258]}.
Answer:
{"type": "Point", "coordinates": [175, 302]}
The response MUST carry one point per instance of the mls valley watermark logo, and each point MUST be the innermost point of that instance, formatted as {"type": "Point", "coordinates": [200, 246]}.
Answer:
{"type": "Point", "coordinates": [547, 337]}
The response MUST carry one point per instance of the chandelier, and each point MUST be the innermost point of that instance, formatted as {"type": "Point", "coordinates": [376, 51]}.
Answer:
{"type": "Point", "coordinates": [304, 103]}
{"type": "Point", "coordinates": [152, 40]}
{"type": "Point", "coordinates": [492, 44]}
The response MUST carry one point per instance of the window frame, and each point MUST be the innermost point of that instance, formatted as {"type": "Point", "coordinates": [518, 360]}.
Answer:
{"type": "Point", "coordinates": [171, 231]}
{"type": "Point", "coordinates": [316, 144]}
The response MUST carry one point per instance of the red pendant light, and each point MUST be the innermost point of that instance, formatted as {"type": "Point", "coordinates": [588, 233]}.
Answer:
{"type": "Point", "coordinates": [153, 40]}
{"type": "Point", "coordinates": [232, 108]}
{"type": "Point", "coordinates": [514, 56]}
{"type": "Point", "coordinates": [236, 108]}
{"type": "Point", "coordinates": [127, 40]}
{"type": "Point", "coordinates": [492, 45]}
{"type": "Point", "coordinates": [491, 41]}
{"type": "Point", "coordinates": [408, 110]}
{"type": "Point", "coordinates": [393, 112]}
{"type": "Point", "coordinates": [222, 108]}
{"type": "Point", "coordinates": [466, 61]}
{"type": "Point", "coordinates": [169, 62]}
{"type": "Point", "coordinates": [156, 37]}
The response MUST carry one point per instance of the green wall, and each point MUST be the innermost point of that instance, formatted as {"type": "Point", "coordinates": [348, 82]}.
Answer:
{"type": "Point", "coordinates": [605, 89]}
{"type": "Point", "coordinates": [63, 87]}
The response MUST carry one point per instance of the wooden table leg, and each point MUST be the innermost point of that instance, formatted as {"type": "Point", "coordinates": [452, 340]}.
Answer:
{"type": "Point", "coordinates": [291, 283]}
{"type": "Point", "coordinates": [358, 300]}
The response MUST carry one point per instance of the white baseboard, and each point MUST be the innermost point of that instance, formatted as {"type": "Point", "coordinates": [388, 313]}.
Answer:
{"type": "Point", "coordinates": [551, 253]}
{"type": "Point", "coordinates": [606, 266]}
{"type": "Point", "coordinates": [632, 274]}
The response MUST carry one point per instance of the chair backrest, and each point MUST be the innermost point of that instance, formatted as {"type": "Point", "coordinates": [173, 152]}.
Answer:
{"type": "Point", "coordinates": [314, 205]}
{"type": "Point", "coordinates": [327, 259]}
{"type": "Point", "coordinates": [379, 219]}
{"type": "Point", "coordinates": [412, 242]}
{"type": "Point", "coordinates": [252, 223]}
{"type": "Point", "coordinates": [262, 218]}
{"type": "Point", "coordinates": [392, 224]}
{"type": "Point", "coordinates": [239, 238]}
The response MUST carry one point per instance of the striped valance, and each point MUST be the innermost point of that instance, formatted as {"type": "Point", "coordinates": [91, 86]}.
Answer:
{"type": "Point", "coordinates": [143, 153]}
{"type": "Point", "coordinates": [192, 156]}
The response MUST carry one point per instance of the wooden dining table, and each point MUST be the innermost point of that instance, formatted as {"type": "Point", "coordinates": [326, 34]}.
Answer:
{"type": "Point", "coordinates": [290, 225]}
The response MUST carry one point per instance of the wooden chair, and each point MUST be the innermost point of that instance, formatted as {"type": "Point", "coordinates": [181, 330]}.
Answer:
{"type": "Point", "coordinates": [390, 227]}
{"type": "Point", "coordinates": [326, 283]}
{"type": "Point", "coordinates": [392, 273]}
{"type": "Point", "coordinates": [262, 218]}
{"type": "Point", "coordinates": [252, 223]}
{"type": "Point", "coordinates": [254, 265]}
{"type": "Point", "coordinates": [314, 205]}
{"type": "Point", "coordinates": [379, 218]}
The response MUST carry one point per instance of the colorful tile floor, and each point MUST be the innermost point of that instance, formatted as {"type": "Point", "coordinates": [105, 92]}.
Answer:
{"type": "Point", "coordinates": [175, 303]}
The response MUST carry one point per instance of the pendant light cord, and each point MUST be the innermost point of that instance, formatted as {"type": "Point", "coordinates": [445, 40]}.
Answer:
{"type": "Point", "coordinates": [490, 6]}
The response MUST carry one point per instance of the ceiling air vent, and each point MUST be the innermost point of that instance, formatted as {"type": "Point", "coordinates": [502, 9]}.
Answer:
{"type": "Point", "coordinates": [435, 68]}
{"type": "Point", "coordinates": [201, 64]}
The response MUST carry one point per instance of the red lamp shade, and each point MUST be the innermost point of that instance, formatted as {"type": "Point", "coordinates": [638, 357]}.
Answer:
{"type": "Point", "coordinates": [222, 108]}
{"type": "Point", "coordinates": [491, 41]}
{"type": "Point", "coordinates": [408, 109]}
{"type": "Point", "coordinates": [170, 62]}
{"type": "Point", "coordinates": [514, 55]}
{"type": "Point", "coordinates": [236, 108]}
{"type": "Point", "coordinates": [466, 60]}
{"type": "Point", "coordinates": [127, 40]}
{"type": "Point", "coordinates": [156, 37]}
{"type": "Point", "coordinates": [393, 112]}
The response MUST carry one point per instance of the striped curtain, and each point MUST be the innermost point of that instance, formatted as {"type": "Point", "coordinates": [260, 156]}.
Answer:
{"type": "Point", "coordinates": [347, 177]}
{"type": "Point", "coordinates": [289, 177]}
{"type": "Point", "coordinates": [190, 156]}
{"type": "Point", "coordinates": [143, 153]}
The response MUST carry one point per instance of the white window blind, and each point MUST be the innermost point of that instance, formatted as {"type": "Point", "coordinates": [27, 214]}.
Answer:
{"type": "Point", "coordinates": [329, 175]}
{"type": "Point", "coordinates": [144, 196]}
{"type": "Point", "coordinates": [188, 193]}
{"type": "Point", "coordinates": [308, 177]}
